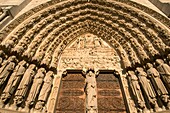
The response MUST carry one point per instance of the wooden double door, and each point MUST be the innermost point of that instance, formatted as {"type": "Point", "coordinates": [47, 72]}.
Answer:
{"type": "Point", "coordinates": [72, 98]}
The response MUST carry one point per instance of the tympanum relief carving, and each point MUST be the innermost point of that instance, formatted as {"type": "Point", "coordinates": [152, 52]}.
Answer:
{"type": "Point", "coordinates": [88, 51]}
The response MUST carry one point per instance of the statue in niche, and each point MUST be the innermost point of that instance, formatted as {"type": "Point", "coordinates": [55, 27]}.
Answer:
{"type": "Point", "coordinates": [148, 89]}
{"type": "Point", "coordinates": [157, 83]}
{"type": "Point", "coordinates": [136, 90]}
{"type": "Point", "coordinates": [91, 91]}
{"type": "Point", "coordinates": [6, 69]}
{"type": "Point", "coordinates": [38, 80]}
{"type": "Point", "coordinates": [24, 85]}
{"type": "Point", "coordinates": [45, 91]}
{"type": "Point", "coordinates": [14, 80]}
{"type": "Point", "coordinates": [164, 70]}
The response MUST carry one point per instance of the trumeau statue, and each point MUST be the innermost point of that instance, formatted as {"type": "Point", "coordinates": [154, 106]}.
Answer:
{"type": "Point", "coordinates": [147, 87]}
{"type": "Point", "coordinates": [14, 80]}
{"type": "Point", "coordinates": [157, 83]}
{"type": "Point", "coordinates": [35, 88]}
{"type": "Point", "coordinates": [6, 69]}
{"type": "Point", "coordinates": [91, 92]}
{"type": "Point", "coordinates": [164, 71]}
{"type": "Point", "coordinates": [45, 91]}
{"type": "Point", "coordinates": [24, 85]}
{"type": "Point", "coordinates": [136, 90]}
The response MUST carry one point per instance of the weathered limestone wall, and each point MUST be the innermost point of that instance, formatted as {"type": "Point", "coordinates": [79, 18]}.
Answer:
{"type": "Point", "coordinates": [10, 9]}
{"type": "Point", "coordinates": [163, 5]}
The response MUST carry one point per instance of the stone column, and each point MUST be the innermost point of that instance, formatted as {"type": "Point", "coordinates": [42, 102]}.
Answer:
{"type": "Point", "coordinates": [91, 91]}
{"type": "Point", "coordinates": [51, 104]}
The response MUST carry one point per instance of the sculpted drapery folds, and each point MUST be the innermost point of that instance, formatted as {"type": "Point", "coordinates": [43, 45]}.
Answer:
{"type": "Point", "coordinates": [157, 83]}
{"type": "Point", "coordinates": [6, 69]}
{"type": "Point", "coordinates": [136, 90]}
{"type": "Point", "coordinates": [14, 80]}
{"type": "Point", "coordinates": [91, 91]}
{"type": "Point", "coordinates": [149, 92]}
{"type": "Point", "coordinates": [24, 85]}
{"type": "Point", "coordinates": [164, 71]}
{"type": "Point", "coordinates": [45, 91]}
{"type": "Point", "coordinates": [37, 82]}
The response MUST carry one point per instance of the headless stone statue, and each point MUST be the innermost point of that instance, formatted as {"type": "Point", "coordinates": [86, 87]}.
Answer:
{"type": "Point", "coordinates": [14, 80]}
{"type": "Point", "coordinates": [136, 90]}
{"type": "Point", "coordinates": [45, 91]}
{"type": "Point", "coordinates": [6, 69]}
{"type": "Point", "coordinates": [91, 92]}
{"type": "Point", "coordinates": [164, 70]}
{"type": "Point", "coordinates": [24, 85]}
{"type": "Point", "coordinates": [147, 87]}
{"type": "Point", "coordinates": [38, 80]}
{"type": "Point", "coordinates": [157, 83]}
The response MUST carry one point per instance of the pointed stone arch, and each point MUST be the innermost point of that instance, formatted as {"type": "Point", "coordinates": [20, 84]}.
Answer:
{"type": "Point", "coordinates": [138, 34]}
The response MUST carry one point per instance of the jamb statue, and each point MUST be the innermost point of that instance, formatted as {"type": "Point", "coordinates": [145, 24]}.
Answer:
{"type": "Point", "coordinates": [24, 86]}
{"type": "Point", "coordinates": [157, 83]}
{"type": "Point", "coordinates": [45, 91]}
{"type": "Point", "coordinates": [6, 69]}
{"type": "Point", "coordinates": [136, 90]}
{"type": "Point", "coordinates": [35, 88]}
{"type": "Point", "coordinates": [14, 80]}
{"type": "Point", "coordinates": [147, 88]}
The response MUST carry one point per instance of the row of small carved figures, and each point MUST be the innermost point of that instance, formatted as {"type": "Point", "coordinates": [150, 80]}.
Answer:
{"type": "Point", "coordinates": [23, 85]}
{"type": "Point", "coordinates": [150, 86]}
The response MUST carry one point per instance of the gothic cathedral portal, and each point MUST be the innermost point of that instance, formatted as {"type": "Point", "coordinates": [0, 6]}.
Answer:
{"type": "Point", "coordinates": [85, 56]}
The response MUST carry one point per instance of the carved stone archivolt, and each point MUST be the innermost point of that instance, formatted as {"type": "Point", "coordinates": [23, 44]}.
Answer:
{"type": "Point", "coordinates": [73, 35]}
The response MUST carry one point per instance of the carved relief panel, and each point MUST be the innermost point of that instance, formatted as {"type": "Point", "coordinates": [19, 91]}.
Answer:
{"type": "Point", "coordinates": [71, 95]}
{"type": "Point", "coordinates": [89, 51]}
{"type": "Point", "coordinates": [110, 99]}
